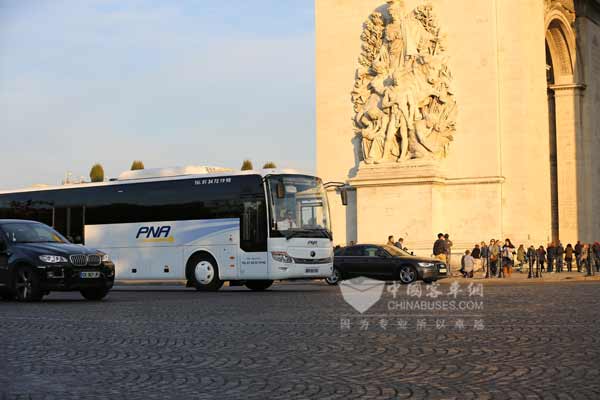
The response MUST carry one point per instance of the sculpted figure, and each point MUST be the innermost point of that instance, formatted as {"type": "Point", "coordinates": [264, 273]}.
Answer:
{"type": "Point", "coordinates": [404, 104]}
{"type": "Point", "coordinates": [372, 136]}
{"type": "Point", "coordinates": [399, 103]}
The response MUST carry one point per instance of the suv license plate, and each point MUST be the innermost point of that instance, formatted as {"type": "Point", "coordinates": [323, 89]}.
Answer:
{"type": "Point", "coordinates": [443, 270]}
{"type": "Point", "coordinates": [89, 274]}
{"type": "Point", "coordinates": [312, 270]}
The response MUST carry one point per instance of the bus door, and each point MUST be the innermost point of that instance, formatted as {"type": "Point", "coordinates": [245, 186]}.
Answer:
{"type": "Point", "coordinates": [70, 222]}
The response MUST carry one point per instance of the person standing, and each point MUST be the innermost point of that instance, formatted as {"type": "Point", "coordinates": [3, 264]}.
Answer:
{"type": "Point", "coordinates": [494, 255]}
{"type": "Point", "coordinates": [400, 244]}
{"type": "Point", "coordinates": [596, 255]}
{"type": "Point", "coordinates": [569, 257]}
{"type": "Point", "coordinates": [541, 255]}
{"type": "Point", "coordinates": [559, 253]}
{"type": "Point", "coordinates": [551, 254]}
{"type": "Point", "coordinates": [585, 258]}
{"type": "Point", "coordinates": [485, 254]}
{"type": "Point", "coordinates": [448, 250]}
{"type": "Point", "coordinates": [390, 241]}
{"type": "Point", "coordinates": [476, 254]}
{"type": "Point", "coordinates": [439, 249]}
{"type": "Point", "coordinates": [531, 256]}
{"type": "Point", "coordinates": [521, 255]}
{"type": "Point", "coordinates": [508, 251]}
{"type": "Point", "coordinates": [578, 251]}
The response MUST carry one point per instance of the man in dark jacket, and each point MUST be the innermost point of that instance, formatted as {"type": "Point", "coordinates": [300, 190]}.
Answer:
{"type": "Point", "coordinates": [439, 248]}
{"type": "Point", "coordinates": [596, 255]}
{"type": "Point", "coordinates": [531, 256]}
{"type": "Point", "coordinates": [559, 252]}
{"type": "Point", "coordinates": [551, 254]}
{"type": "Point", "coordinates": [578, 250]}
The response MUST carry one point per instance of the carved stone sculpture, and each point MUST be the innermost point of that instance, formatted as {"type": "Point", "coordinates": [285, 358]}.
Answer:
{"type": "Point", "coordinates": [403, 99]}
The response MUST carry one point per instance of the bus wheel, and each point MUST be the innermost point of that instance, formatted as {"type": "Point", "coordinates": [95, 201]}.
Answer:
{"type": "Point", "coordinates": [258, 286]}
{"type": "Point", "coordinates": [204, 273]}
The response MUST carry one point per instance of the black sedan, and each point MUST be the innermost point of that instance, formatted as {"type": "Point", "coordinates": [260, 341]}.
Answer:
{"type": "Point", "coordinates": [387, 263]}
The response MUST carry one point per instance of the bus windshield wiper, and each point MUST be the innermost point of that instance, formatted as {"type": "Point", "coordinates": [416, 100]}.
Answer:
{"type": "Point", "coordinates": [296, 232]}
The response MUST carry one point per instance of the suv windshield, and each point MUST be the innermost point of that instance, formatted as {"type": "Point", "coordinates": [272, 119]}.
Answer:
{"type": "Point", "coordinates": [299, 207]}
{"type": "Point", "coordinates": [19, 232]}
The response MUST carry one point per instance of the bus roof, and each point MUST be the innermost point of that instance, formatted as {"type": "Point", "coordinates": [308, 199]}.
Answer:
{"type": "Point", "coordinates": [161, 175]}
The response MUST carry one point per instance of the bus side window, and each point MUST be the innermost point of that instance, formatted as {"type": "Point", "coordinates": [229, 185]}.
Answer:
{"type": "Point", "coordinates": [253, 232]}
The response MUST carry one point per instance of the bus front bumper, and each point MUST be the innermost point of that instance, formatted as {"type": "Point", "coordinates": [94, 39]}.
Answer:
{"type": "Point", "coordinates": [300, 271]}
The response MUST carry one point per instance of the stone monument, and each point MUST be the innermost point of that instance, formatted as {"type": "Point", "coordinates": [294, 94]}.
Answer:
{"type": "Point", "coordinates": [452, 116]}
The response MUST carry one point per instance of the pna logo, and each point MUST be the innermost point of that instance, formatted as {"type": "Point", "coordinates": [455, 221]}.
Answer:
{"type": "Point", "coordinates": [155, 234]}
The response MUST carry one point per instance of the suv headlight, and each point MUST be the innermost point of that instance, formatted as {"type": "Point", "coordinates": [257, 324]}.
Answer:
{"type": "Point", "coordinates": [426, 265]}
{"type": "Point", "coordinates": [281, 256]}
{"type": "Point", "coordinates": [105, 258]}
{"type": "Point", "coordinates": [53, 259]}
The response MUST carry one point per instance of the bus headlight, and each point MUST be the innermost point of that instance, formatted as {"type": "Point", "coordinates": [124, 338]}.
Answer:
{"type": "Point", "coordinates": [281, 256]}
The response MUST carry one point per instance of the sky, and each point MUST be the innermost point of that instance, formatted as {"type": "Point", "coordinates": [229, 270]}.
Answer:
{"type": "Point", "coordinates": [171, 83]}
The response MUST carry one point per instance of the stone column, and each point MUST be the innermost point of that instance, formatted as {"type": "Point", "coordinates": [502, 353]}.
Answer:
{"type": "Point", "coordinates": [570, 160]}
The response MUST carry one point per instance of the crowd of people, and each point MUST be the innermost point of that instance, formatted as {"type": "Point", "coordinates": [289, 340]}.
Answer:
{"type": "Point", "coordinates": [498, 259]}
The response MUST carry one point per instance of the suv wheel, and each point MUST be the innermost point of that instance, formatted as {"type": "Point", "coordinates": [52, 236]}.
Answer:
{"type": "Point", "coordinates": [27, 284]}
{"type": "Point", "coordinates": [94, 294]}
{"type": "Point", "coordinates": [6, 294]}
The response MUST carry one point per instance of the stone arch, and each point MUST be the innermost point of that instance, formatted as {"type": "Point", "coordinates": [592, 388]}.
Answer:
{"type": "Point", "coordinates": [561, 43]}
{"type": "Point", "coordinates": [564, 111]}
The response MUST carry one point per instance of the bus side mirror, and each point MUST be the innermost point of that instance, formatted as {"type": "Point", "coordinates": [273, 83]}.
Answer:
{"type": "Point", "coordinates": [344, 196]}
{"type": "Point", "coordinates": [280, 189]}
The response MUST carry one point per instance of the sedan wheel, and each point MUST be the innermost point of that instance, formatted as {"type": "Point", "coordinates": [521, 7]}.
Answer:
{"type": "Point", "coordinates": [407, 274]}
{"type": "Point", "coordinates": [335, 277]}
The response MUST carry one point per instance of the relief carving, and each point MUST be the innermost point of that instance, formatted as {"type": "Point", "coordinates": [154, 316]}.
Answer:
{"type": "Point", "coordinates": [403, 99]}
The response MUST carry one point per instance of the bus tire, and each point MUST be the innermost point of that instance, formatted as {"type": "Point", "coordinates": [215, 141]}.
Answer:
{"type": "Point", "coordinates": [258, 286]}
{"type": "Point", "coordinates": [202, 270]}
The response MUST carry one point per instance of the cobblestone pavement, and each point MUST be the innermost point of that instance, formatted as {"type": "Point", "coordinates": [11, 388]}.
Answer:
{"type": "Point", "coordinates": [302, 341]}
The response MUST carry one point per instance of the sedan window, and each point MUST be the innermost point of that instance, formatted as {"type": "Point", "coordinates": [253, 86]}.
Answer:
{"type": "Point", "coordinates": [355, 251]}
{"type": "Point", "coordinates": [372, 251]}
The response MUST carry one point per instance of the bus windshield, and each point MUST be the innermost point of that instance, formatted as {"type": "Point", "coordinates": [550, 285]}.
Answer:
{"type": "Point", "coordinates": [299, 207]}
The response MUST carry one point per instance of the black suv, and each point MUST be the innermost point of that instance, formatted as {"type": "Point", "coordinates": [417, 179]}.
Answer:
{"type": "Point", "coordinates": [35, 259]}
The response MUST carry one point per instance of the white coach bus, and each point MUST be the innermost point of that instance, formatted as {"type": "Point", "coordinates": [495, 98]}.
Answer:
{"type": "Point", "coordinates": [200, 224]}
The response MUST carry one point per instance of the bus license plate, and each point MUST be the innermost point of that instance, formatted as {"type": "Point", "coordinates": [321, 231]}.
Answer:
{"type": "Point", "coordinates": [89, 274]}
{"type": "Point", "coordinates": [312, 270]}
